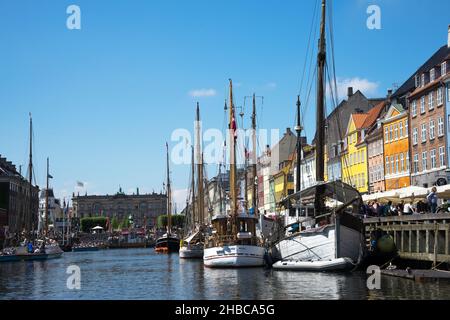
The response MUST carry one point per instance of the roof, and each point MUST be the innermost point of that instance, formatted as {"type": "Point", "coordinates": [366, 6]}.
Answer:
{"type": "Point", "coordinates": [359, 119]}
{"type": "Point", "coordinates": [373, 115]}
{"type": "Point", "coordinates": [409, 85]}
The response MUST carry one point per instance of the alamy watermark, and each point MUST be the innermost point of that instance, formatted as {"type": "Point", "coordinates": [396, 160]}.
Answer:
{"type": "Point", "coordinates": [73, 21]}
{"type": "Point", "coordinates": [374, 279]}
{"type": "Point", "coordinates": [374, 19]}
{"type": "Point", "coordinates": [74, 279]}
{"type": "Point", "coordinates": [214, 145]}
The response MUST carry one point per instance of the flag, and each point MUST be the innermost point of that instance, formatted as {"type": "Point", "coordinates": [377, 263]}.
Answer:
{"type": "Point", "coordinates": [50, 176]}
{"type": "Point", "coordinates": [80, 184]}
{"type": "Point", "coordinates": [233, 124]}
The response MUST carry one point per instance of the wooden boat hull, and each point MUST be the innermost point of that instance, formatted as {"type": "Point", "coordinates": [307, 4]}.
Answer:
{"type": "Point", "coordinates": [167, 244]}
{"type": "Point", "coordinates": [85, 249]}
{"type": "Point", "coordinates": [9, 258]}
{"type": "Point", "coordinates": [234, 256]}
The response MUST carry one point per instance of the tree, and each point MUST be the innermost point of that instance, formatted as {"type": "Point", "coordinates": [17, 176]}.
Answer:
{"type": "Point", "coordinates": [90, 222]}
{"type": "Point", "coordinates": [115, 223]}
{"type": "Point", "coordinates": [177, 221]}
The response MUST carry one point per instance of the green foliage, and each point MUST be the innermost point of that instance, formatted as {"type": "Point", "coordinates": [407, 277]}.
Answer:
{"type": "Point", "coordinates": [115, 223]}
{"type": "Point", "coordinates": [177, 221]}
{"type": "Point", "coordinates": [125, 223]}
{"type": "Point", "coordinates": [90, 222]}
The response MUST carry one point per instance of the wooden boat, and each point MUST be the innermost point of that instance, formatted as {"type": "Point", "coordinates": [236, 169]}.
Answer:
{"type": "Point", "coordinates": [85, 249]}
{"type": "Point", "coordinates": [169, 242]}
{"type": "Point", "coordinates": [237, 246]}
{"type": "Point", "coordinates": [330, 238]}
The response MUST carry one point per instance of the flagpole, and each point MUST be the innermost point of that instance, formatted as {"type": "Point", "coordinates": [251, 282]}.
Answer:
{"type": "Point", "coordinates": [64, 217]}
{"type": "Point", "coordinates": [46, 205]}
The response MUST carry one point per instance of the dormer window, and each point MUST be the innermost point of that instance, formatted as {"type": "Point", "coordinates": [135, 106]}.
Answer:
{"type": "Point", "coordinates": [432, 75]}
{"type": "Point", "coordinates": [416, 80]}
{"type": "Point", "coordinates": [422, 80]}
{"type": "Point", "coordinates": [444, 68]}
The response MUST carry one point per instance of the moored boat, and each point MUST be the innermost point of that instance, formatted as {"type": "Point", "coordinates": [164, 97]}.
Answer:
{"type": "Point", "coordinates": [233, 242]}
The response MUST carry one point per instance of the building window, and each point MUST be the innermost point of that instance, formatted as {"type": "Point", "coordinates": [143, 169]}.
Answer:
{"type": "Point", "coordinates": [402, 163]}
{"type": "Point", "coordinates": [424, 132]}
{"type": "Point", "coordinates": [396, 132]}
{"type": "Point", "coordinates": [396, 164]}
{"type": "Point", "coordinates": [422, 80]}
{"type": "Point", "coordinates": [433, 158]}
{"type": "Point", "coordinates": [442, 156]}
{"type": "Point", "coordinates": [400, 129]}
{"type": "Point", "coordinates": [422, 105]}
{"type": "Point", "coordinates": [406, 128]}
{"type": "Point", "coordinates": [407, 161]}
{"type": "Point", "coordinates": [444, 68]}
{"type": "Point", "coordinates": [440, 99]}
{"type": "Point", "coordinates": [431, 101]}
{"type": "Point", "coordinates": [386, 135]}
{"type": "Point", "coordinates": [432, 75]}
{"type": "Point", "coordinates": [392, 165]}
{"type": "Point", "coordinates": [416, 80]}
{"type": "Point", "coordinates": [414, 136]}
{"type": "Point", "coordinates": [432, 130]}
{"type": "Point", "coordinates": [414, 108]}
{"type": "Point", "coordinates": [362, 156]}
{"type": "Point", "coordinates": [416, 163]}
{"type": "Point", "coordinates": [390, 133]}
{"type": "Point", "coordinates": [387, 165]}
{"type": "Point", "coordinates": [424, 161]}
{"type": "Point", "coordinates": [440, 127]}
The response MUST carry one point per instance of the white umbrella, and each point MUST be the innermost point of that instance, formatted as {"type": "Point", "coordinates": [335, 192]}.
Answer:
{"type": "Point", "coordinates": [97, 228]}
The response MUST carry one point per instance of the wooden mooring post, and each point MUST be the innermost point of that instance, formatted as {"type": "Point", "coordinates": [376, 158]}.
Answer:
{"type": "Point", "coordinates": [421, 237]}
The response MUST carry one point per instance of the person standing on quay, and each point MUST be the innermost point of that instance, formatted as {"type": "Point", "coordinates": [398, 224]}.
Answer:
{"type": "Point", "coordinates": [433, 200]}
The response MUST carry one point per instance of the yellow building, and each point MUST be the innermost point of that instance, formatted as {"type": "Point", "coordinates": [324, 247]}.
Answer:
{"type": "Point", "coordinates": [354, 158]}
{"type": "Point", "coordinates": [396, 148]}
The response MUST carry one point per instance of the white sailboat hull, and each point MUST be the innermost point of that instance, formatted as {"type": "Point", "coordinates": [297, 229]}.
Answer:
{"type": "Point", "coordinates": [234, 256]}
{"type": "Point", "coordinates": [320, 249]}
{"type": "Point", "coordinates": [321, 265]}
{"type": "Point", "coordinates": [194, 252]}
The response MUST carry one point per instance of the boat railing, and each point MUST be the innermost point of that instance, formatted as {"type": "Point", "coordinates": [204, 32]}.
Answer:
{"type": "Point", "coordinates": [221, 240]}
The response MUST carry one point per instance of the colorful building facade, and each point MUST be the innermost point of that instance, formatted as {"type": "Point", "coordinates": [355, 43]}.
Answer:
{"type": "Point", "coordinates": [396, 148]}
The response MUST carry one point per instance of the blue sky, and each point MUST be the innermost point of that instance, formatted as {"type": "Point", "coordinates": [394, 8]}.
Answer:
{"type": "Point", "coordinates": [106, 98]}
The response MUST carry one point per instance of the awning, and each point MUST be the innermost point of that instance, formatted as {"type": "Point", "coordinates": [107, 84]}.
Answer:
{"type": "Point", "coordinates": [335, 190]}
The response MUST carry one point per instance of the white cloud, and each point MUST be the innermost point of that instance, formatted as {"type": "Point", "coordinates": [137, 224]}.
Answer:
{"type": "Point", "coordinates": [366, 86]}
{"type": "Point", "coordinates": [197, 93]}
{"type": "Point", "coordinates": [271, 85]}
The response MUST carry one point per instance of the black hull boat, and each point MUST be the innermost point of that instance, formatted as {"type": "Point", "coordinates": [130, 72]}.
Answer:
{"type": "Point", "coordinates": [167, 244]}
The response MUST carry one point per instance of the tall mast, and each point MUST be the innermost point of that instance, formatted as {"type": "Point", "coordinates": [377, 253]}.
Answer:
{"type": "Point", "coordinates": [233, 195]}
{"type": "Point", "coordinates": [30, 169]}
{"type": "Point", "coordinates": [46, 202]}
{"type": "Point", "coordinates": [298, 129]}
{"type": "Point", "coordinates": [320, 112]}
{"type": "Point", "coordinates": [194, 219]}
{"type": "Point", "coordinates": [168, 192]}
{"type": "Point", "coordinates": [200, 195]}
{"type": "Point", "coordinates": [254, 202]}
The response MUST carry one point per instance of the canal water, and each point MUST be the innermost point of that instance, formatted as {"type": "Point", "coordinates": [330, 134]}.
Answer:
{"type": "Point", "coordinates": [141, 274]}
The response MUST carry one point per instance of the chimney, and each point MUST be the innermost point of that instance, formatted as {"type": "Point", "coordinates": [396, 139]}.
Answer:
{"type": "Point", "coordinates": [448, 40]}
{"type": "Point", "coordinates": [349, 91]}
{"type": "Point", "coordinates": [137, 191]}
{"type": "Point", "coordinates": [288, 131]}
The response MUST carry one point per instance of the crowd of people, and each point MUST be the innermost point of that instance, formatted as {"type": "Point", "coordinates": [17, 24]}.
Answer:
{"type": "Point", "coordinates": [403, 208]}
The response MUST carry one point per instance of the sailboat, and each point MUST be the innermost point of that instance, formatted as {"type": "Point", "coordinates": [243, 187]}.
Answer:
{"type": "Point", "coordinates": [44, 250]}
{"type": "Point", "coordinates": [329, 240]}
{"type": "Point", "coordinates": [192, 247]}
{"type": "Point", "coordinates": [233, 242]}
{"type": "Point", "coordinates": [169, 242]}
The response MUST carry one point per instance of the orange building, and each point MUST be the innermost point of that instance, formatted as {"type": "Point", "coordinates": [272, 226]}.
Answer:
{"type": "Point", "coordinates": [396, 148]}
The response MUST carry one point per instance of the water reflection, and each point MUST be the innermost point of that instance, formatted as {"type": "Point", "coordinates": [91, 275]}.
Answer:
{"type": "Point", "coordinates": [142, 274]}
